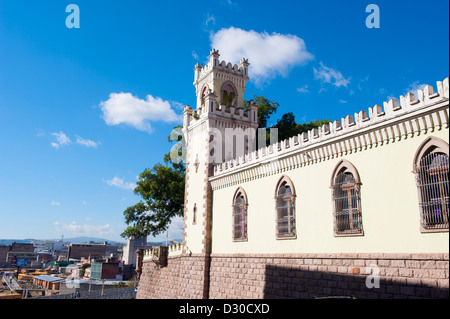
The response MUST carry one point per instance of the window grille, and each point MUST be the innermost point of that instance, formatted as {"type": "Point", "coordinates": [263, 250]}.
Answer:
{"type": "Point", "coordinates": [347, 212]}
{"type": "Point", "coordinates": [285, 206]}
{"type": "Point", "coordinates": [240, 217]}
{"type": "Point", "coordinates": [432, 182]}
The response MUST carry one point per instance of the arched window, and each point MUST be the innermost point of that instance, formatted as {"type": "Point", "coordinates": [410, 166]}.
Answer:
{"type": "Point", "coordinates": [431, 171]}
{"type": "Point", "coordinates": [228, 98]}
{"type": "Point", "coordinates": [240, 215]}
{"type": "Point", "coordinates": [203, 95]}
{"type": "Point", "coordinates": [285, 209]}
{"type": "Point", "coordinates": [345, 186]}
{"type": "Point", "coordinates": [228, 94]}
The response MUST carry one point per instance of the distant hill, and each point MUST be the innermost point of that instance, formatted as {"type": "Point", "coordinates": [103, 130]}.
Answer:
{"type": "Point", "coordinates": [74, 240]}
{"type": "Point", "coordinates": [8, 242]}
{"type": "Point", "coordinates": [84, 240]}
{"type": "Point", "coordinates": [79, 240]}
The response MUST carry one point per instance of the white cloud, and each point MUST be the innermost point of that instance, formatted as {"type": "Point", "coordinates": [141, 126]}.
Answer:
{"type": "Point", "coordinates": [40, 133]}
{"type": "Point", "coordinates": [55, 203]}
{"type": "Point", "coordinates": [195, 55]}
{"type": "Point", "coordinates": [61, 140]}
{"type": "Point", "coordinates": [414, 87]}
{"type": "Point", "coordinates": [175, 230]}
{"type": "Point", "coordinates": [303, 89]}
{"type": "Point", "coordinates": [87, 143]}
{"type": "Point", "coordinates": [124, 108]}
{"type": "Point", "coordinates": [230, 4]}
{"type": "Point", "coordinates": [329, 75]}
{"type": "Point", "coordinates": [210, 19]}
{"type": "Point", "coordinates": [177, 105]}
{"type": "Point", "coordinates": [119, 182]}
{"type": "Point", "coordinates": [269, 55]}
{"type": "Point", "coordinates": [86, 229]}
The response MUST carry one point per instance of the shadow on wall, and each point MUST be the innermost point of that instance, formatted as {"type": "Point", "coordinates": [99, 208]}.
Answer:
{"type": "Point", "coordinates": [282, 282]}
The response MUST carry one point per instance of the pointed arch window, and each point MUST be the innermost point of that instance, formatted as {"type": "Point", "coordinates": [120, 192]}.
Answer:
{"type": "Point", "coordinates": [203, 94]}
{"type": "Point", "coordinates": [432, 180]}
{"type": "Point", "coordinates": [285, 209]}
{"type": "Point", "coordinates": [345, 185]}
{"type": "Point", "coordinates": [228, 94]}
{"type": "Point", "coordinates": [240, 215]}
{"type": "Point", "coordinates": [228, 98]}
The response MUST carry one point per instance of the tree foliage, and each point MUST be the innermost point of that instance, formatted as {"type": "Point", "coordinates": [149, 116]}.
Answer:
{"type": "Point", "coordinates": [266, 108]}
{"type": "Point", "coordinates": [287, 127]}
{"type": "Point", "coordinates": [162, 191]}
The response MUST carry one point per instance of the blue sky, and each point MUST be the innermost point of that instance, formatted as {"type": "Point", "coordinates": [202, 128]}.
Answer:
{"type": "Point", "coordinates": [84, 110]}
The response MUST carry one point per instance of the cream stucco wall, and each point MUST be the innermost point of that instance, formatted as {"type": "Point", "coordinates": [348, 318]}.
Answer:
{"type": "Point", "coordinates": [389, 204]}
{"type": "Point", "coordinates": [380, 143]}
{"type": "Point", "coordinates": [195, 187]}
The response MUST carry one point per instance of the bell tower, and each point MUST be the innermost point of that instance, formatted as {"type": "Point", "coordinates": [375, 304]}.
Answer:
{"type": "Point", "coordinates": [221, 127]}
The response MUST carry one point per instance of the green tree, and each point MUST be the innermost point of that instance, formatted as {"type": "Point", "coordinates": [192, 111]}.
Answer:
{"type": "Point", "coordinates": [162, 191]}
{"type": "Point", "coordinates": [287, 127]}
{"type": "Point", "coordinates": [266, 108]}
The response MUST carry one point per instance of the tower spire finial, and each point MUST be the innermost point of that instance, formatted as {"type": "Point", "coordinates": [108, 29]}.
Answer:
{"type": "Point", "coordinates": [214, 58]}
{"type": "Point", "coordinates": [214, 52]}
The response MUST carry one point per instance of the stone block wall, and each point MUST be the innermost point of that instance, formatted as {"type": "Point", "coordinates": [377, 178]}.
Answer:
{"type": "Point", "coordinates": [298, 276]}
{"type": "Point", "coordinates": [185, 277]}
{"type": "Point", "coordinates": [307, 276]}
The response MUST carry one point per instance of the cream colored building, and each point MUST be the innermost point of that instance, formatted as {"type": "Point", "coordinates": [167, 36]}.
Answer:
{"type": "Point", "coordinates": [380, 145]}
{"type": "Point", "coordinates": [368, 189]}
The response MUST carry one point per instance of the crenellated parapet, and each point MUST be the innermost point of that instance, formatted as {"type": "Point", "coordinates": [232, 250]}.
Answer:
{"type": "Point", "coordinates": [202, 71]}
{"type": "Point", "coordinates": [397, 119]}
{"type": "Point", "coordinates": [214, 109]}
{"type": "Point", "coordinates": [159, 254]}
{"type": "Point", "coordinates": [222, 83]}
{"type": "Point", "coordinates": [220, 89]}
